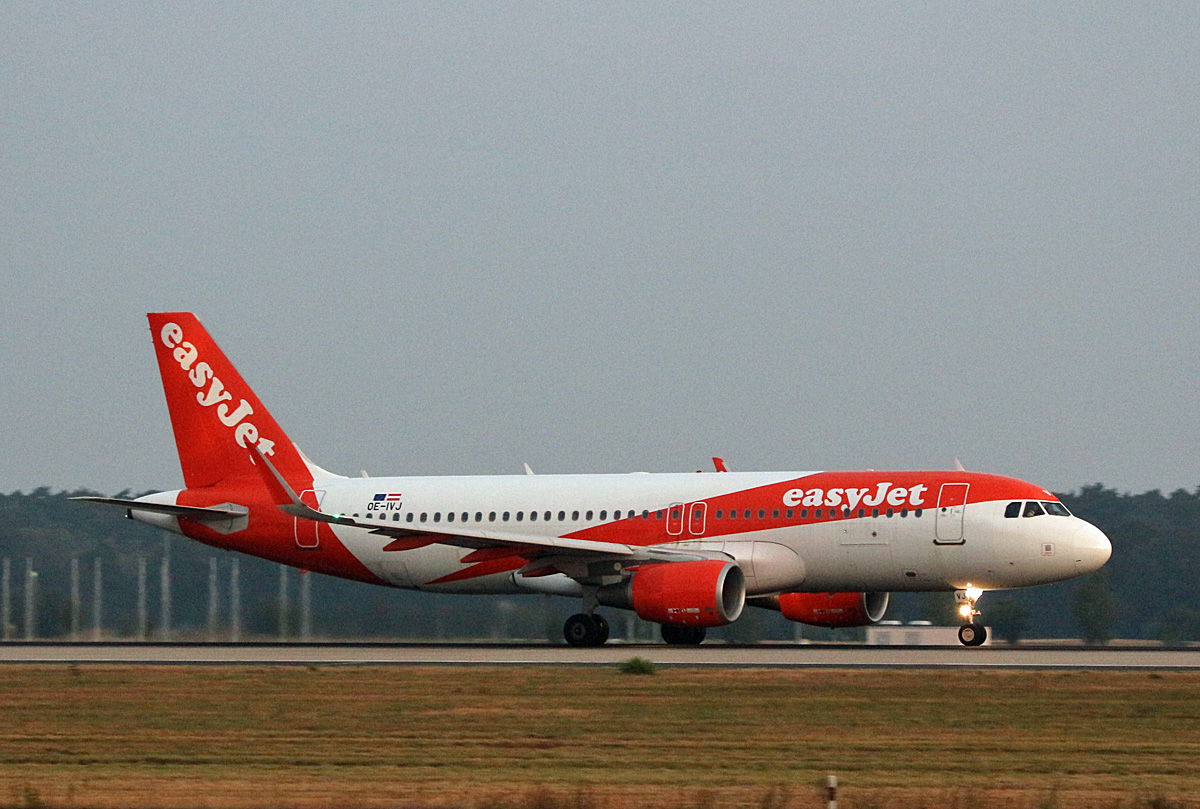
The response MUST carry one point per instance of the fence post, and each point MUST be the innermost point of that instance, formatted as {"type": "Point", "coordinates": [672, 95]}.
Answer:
{"type": "Point", "coordinates": [97, 599]}
{"type": "Point", "coordinates": [30, 601]}
{"type": "Point", "coordinates": [76, 601]}
{"type": "Point", "coordinates": [5, 599]}
{"type": "Point", "coordinates": [831, 790]}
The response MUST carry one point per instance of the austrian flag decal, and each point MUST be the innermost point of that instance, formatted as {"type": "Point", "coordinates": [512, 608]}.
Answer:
{"type": "Point", "coordinates": [385, 501]}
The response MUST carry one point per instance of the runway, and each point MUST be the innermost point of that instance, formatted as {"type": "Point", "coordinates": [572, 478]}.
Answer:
{"type": "Point", "coordinates": [473, 654]}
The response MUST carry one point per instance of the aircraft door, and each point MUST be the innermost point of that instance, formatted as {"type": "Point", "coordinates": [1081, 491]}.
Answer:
{"type": "Point", "coordinates": [675, 519]}
{"type": "Point", "coordinates": [696, 515]}
{"type": "Point", "coordinates": [307, 531]}
{"type": "Point", "coordinates": [951, 508]}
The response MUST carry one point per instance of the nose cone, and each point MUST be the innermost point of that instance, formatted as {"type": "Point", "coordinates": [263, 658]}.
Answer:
{"type": "Point", "coordinates": [1090, 547]}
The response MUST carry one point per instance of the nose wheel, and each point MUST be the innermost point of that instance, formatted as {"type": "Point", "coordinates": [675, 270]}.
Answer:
{"type": "Point", "coordinates": [970, 633]}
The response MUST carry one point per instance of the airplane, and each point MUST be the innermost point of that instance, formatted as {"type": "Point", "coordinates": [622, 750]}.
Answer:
{"type": "Point", "coordinates": [687, 551]}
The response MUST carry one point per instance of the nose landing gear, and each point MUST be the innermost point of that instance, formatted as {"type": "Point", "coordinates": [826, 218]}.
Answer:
{"type": "Point", "coordinates": [970, 633]}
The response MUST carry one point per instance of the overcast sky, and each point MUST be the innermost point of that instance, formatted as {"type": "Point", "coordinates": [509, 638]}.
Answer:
{"type": "Point", "coordinates": [451, 239]}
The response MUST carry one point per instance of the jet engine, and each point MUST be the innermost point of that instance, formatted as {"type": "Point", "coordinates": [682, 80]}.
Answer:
{"type": "Point", "coordinates": [700, 594]}
{"type": "Point", "coordinates": [833, 609]}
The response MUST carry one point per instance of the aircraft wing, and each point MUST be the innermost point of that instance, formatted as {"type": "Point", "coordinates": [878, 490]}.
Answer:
{"type": "Point", "coordinates": [290, 503]}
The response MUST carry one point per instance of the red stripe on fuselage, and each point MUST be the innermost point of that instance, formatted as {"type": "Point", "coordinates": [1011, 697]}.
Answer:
{"type": "Point", "coordinates": [271, 533]}
{"type": "Point", "coordinates": [865, 491]}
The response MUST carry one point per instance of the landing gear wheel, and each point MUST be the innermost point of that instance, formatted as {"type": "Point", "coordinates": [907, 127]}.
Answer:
{"type": "Point", "coordinates": [601, 629]}
{"type": "Point", "coordinates": [683, 635]}
{"type": "Point", "coordinates": [972, 634]}
{"type": "Point", "coordinates": [582, 629]}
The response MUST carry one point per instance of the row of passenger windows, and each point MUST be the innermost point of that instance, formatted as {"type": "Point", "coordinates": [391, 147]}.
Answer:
{"type": "Point", "coordinates": [1036, 508]}
{"type": "Point", "coordinates": [697, 515]}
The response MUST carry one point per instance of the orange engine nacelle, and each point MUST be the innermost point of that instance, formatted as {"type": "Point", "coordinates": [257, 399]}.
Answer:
{"type": "Point", "coordinates": [833, 609]}
{"type": "Point", "coordinates": [707, 593]}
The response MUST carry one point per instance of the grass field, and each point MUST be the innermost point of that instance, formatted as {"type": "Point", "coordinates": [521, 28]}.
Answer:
{"type": "Point", "coordinates": [541, 737]}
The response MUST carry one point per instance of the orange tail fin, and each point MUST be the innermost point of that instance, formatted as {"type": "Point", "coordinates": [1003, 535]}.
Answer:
{"type": "Point", "coordinates": [215, 414]}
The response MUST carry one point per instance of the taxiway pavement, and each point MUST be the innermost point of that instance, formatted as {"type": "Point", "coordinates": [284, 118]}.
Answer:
{"type": "Point", "coordinates": [781, 655]}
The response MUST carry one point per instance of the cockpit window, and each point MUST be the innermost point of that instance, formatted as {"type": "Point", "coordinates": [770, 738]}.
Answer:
{"type": "Point", "coordinates": [1033, 509]}
{"type": "Point", "coordinates": [1057, 509]}
{"type": "Point", "coordinates": [1013, 509]}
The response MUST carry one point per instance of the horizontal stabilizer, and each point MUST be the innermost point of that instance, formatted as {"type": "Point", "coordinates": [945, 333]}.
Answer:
{"type": "Point", "coordinates": [202, 514]}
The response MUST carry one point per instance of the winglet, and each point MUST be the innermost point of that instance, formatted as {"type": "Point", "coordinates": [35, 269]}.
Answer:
{"type": "Point", "coordinates": [285, 497]}
{"type": "Point", "coordinates": [719, 463]}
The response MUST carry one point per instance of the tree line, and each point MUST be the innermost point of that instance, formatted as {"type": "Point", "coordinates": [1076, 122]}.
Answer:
{"type": "Point", "coordinates": [1148, 590]}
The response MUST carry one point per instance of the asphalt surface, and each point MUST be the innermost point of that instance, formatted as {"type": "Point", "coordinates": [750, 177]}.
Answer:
{"type": "Point", "coordinates": [782, 655]}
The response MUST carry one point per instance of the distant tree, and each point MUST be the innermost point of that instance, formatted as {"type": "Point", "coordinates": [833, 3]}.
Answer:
{"type": "Point", "coordinates": [1094, 608]}
{"type": "Point", "coordinates": [1009, 618]}
{"type": "Point", "coordinates": [940, 609]}
{"type": "Point", "coordinates": [1179, 625]}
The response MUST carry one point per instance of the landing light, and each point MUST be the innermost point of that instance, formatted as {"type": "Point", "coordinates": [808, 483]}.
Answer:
{"type": "Point", "coordinates": [965, 610]}
{"type": "Point", "coordinates": [974, 593]}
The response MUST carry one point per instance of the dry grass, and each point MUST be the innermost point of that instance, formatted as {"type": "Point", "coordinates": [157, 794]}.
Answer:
{"type": "Point", "coordinates": [542, 737]}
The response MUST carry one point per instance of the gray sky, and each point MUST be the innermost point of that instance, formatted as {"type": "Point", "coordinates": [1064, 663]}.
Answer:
{"type": "Point", "coordinates": [442, 238]}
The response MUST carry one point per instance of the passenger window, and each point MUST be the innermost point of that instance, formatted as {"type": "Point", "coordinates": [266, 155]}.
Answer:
{"type": "Point", "coordinates": [918, 512]}
{"type": "Point", "coordinates": [720, 514]}
{"type": "Point", "coordinates": [491, 516]}
{"type": "Point", "coordinates": [762, 512]}
{"type": "Point", "coordinates": [746, 514]}
{"type": "Point", "coordinates": [546, 516]}
{"type": "Point", "coordinates": [646, 514]}
{"type": "Point", "coordinates": [891, 512]}
{"type": "Point", "coordinates": [1013, 509]}
{"type": "Point", "coordinates": [604, 515]}
{"type": "Point", "coordinates": [617, 514]}
{"type": "Point", "coordinates": [465, 516]}
{"type": "Point", "coordinates": [588, 516]}
{"type": "Point", "coordinates": [562, 516]}
{"type": "Point", "coordinates": [874, 512]}
{"type": "Point", "coordinates": [409, 518]}
{"type": "Point", "coordinates": [1033, 509]}
{"type": "Point", "coordinates": [437, 516]}
{"type": "Point", "coordinates": [520, 516]}
{"type": "Point", "coordinates": [506, 516]}
{"type": "Point", "coordinates": [791, 513]}
{"type": "Point", "coordinates": [804, 514]}
{"type": "Point", "coordinates": [424, 516]}
{"type": "Point", "coordinates": [903, 512]}
{"type": "Point", "coordinates": [817, 514]}
{"type": "Point", "coordinates": [532, 516]}
{"type": "Point", "coordinates": [1056, 509]}
{"type": "Point", "coordinates": [575, 515]}
{"type": "Point", "coordinates": [478, 516]}
{"type": "Point", "coordinates": [396, 517]}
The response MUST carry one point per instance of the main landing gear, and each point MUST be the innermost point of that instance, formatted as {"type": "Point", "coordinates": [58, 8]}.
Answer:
{"type": "Point", "coordinates": [970, 633]}
{"type": "Point", "coordinates": [582, 629]}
